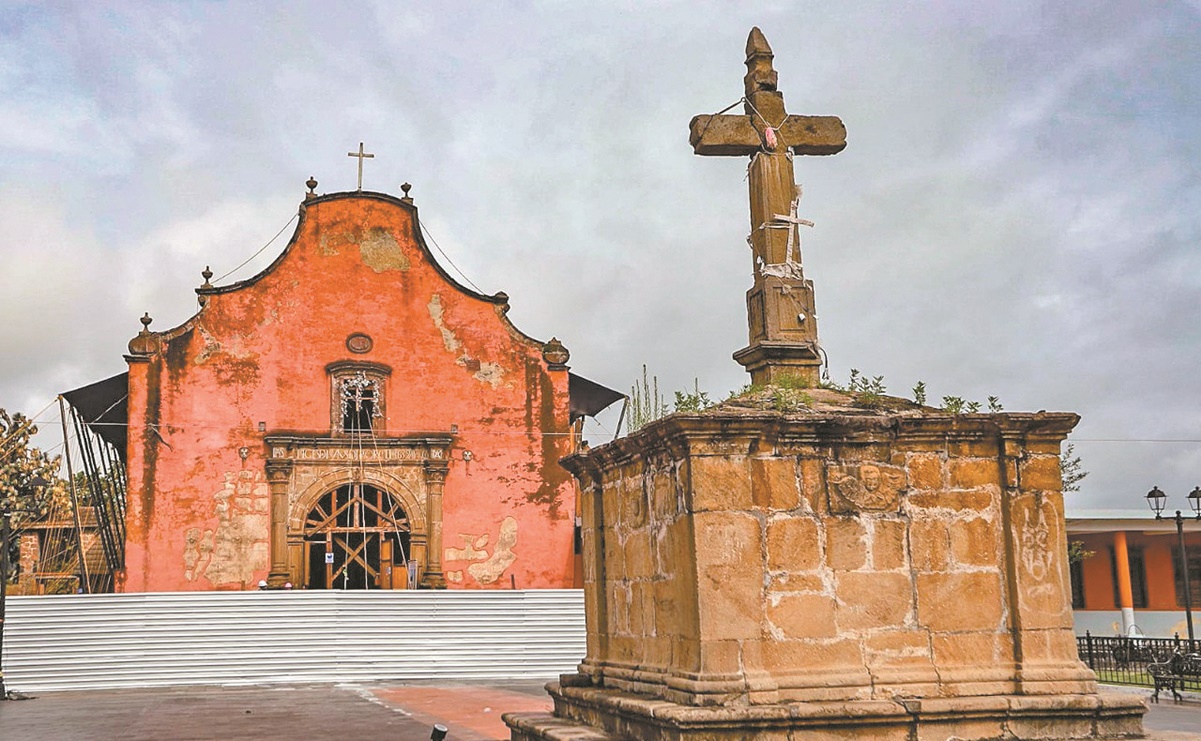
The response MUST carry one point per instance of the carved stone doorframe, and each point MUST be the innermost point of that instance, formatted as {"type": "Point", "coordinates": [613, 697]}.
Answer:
{"type": "Point", "coordinates": [302, 468]}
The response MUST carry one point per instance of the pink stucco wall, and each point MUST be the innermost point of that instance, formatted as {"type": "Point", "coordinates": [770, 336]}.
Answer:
{"type": "Point", "coordinates": [198, 514]}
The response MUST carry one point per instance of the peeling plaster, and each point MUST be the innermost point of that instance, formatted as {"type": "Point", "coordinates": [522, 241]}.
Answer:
{"type": "Point", "coordinates": [381, 252]}
{"type": "Point", "coordinates": [197, 552]}
{"type": "Point", "coordinates": [237, 548]}
{"type": "Point", "coordinates": [325, 247]}
{"type": "Point", "coordinates": [210, 348]}
{"type": "Point", "coordinates": [492, 374]}
{"type": "Point", "coordinates": [436, 313]}
{"type": "Point", "coordinates": [472, 550]}
{"type": "Point", "coordinates": [486, 569]}
{"type": "Point", "coordinates": [235, 347]}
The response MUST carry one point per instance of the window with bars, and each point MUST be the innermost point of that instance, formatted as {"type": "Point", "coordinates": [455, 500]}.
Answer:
{"type": "Point", "coordinates": [1076, 573]}
{"type": "Point", "coordinates": [358, 392]}
{"type": "Point", "coordinates": [1194, 571]}
{"type": "Point", "coordinates": [358, 397]}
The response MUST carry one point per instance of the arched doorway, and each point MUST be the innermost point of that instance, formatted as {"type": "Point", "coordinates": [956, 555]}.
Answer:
{"type": "Point", "coordinates": [356, 537]}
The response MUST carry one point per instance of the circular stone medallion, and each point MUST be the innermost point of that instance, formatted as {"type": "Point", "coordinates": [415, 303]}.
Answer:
{"type": "Point", "coordinates": [359, 342]}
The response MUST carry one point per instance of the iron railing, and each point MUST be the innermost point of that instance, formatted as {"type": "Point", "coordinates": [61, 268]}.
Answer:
{"type": "Point", "coordinates": [1124, 659]}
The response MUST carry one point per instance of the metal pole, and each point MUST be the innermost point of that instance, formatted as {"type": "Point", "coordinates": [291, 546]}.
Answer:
{"type": "Point", "coordinates": [4, 527]}
{"type": "Point", "coordinates": [83, 561]}
{"type": "Point", "coordinates": [1188, 591]}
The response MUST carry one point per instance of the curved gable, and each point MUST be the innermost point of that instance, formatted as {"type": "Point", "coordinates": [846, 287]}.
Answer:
{"type": "Point", "coordinates": [379, 248]}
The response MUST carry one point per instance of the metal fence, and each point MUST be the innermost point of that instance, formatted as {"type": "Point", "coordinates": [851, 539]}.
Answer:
{"type": "Point", "coordinates": [1124, 659]}
{"type": "Point", "coordinates": [62, 642]}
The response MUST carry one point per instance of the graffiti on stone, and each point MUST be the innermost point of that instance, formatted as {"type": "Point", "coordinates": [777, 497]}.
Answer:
{"type": "Point", "coordinates": [1036, 535]}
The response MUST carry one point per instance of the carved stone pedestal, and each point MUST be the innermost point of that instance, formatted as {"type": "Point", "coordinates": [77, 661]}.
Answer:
{"type": "Point", "coordinates": [846, 570]}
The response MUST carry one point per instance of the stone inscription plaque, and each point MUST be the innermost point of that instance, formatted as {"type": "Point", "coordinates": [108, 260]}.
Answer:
{"type": "Point", "coordinates": [354, 454]}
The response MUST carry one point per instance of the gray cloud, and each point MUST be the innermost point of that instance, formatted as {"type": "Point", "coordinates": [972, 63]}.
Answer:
{"type": "Point", "coordinates": [1016, 213]}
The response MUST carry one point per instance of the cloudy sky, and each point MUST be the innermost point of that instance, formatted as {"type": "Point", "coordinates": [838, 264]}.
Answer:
{"type": "Point", "coordinates": [1017, 212]}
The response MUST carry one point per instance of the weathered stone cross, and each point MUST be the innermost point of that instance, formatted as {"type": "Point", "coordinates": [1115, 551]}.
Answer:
{"type": "Point", "coordinates": [783, 330]}
{"type": "Point", "coordinates": [362, 156]}
{"type": "Point", "coordinates": [768, 134]}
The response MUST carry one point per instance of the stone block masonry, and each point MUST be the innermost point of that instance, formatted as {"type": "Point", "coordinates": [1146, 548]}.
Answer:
{"type": "Point", "coordinates": [752, 559]}
{"type": "Point", "coordinates": [841, 569]}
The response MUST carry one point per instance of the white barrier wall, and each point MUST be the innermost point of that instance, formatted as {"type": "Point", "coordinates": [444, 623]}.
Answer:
{"type": "Point", "coordinates": [152, 640]}
{"type": "Point", "coordinates": [1154, 623]}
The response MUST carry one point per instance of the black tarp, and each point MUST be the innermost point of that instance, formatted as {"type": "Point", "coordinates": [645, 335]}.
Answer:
{"type": "Point", "coordinates": [104, 406]}
{"type": "Point", "coordinates": [588, 398]}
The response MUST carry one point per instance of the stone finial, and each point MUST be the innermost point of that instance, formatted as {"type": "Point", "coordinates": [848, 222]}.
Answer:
{"type": "Point", "coordinates": [760, 74]}
{"type": "Point", "coordinates": [405, 188]}
{"type": "Point", "coordinates": [756, 44]}
{"type": "Point", "coordinates": [312, 184]}
{"type": "Point", "coordinates": [555, 355]}
{"type": "Point", "coordinates": [146, 342]}
{"type": "Point", "coordinates": [503, 298]}
{"type": "Point", "coordinates": [202, 298]}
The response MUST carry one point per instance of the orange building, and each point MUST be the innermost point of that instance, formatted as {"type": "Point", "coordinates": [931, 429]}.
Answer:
{"type": "Point", "coordinates": [1133, 577]}
{"type": "Point", "coordinates": [350, 417]}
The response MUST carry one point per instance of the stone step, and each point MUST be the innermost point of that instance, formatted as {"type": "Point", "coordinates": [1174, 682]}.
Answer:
{"type": "Point", "coordinates": [546, 727]}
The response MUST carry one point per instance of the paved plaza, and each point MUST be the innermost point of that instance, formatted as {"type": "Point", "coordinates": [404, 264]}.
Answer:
{"type": "Point", "coordinates": [345, 712]}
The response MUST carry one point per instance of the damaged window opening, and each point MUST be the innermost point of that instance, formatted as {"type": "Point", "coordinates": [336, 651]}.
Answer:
{"type": "Point", "coordinates": [358, 397]}
{"type": "Point", "coordinates": [358, 401]}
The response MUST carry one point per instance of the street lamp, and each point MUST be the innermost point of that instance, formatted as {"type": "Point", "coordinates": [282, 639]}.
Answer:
{"type": "Point", "coordinates": [7, 510]}
{"type": "Point", "coordinates": [1156, 500]}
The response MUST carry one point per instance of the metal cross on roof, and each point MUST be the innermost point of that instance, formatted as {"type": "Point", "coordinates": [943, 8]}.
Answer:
{"type": "Point", "coordinates": [362, 156]}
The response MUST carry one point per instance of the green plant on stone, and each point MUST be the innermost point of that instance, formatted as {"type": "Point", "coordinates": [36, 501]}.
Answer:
{"type": "Point", "coordinates": [960, 405]}
{"type": "Point", "coordinates": [868, 390]}
{"type": "Point", "coordinates": [646, 403]}
{"type": "Point", "coordinates": [953, 404]}
{"type": "Point", "coordinates": [861, 384]}
{"type": "Point", "coordinates": [790, 399]}
{"type": "Point", "coordinates": [830, 385]}
{"type": "Point", "coordinates": [919, 393]}
{"type": "Point", "coordinates": [748, 390]}
{"type": "Point", "coordinates": [696, 401]}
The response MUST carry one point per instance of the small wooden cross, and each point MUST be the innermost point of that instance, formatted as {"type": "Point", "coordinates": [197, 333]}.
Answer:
{"type": "Point", "coordinates": [789, 222]}
{"type": "Point", "coordinates": [362, 156]}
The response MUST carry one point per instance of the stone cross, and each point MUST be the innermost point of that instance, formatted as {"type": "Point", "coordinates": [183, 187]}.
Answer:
{"type": "Point", "coordinates": [362, 156]}
{"type": "Point", "coordinates": [768, 134]}
{"type": "Point", "coordinates": [783, 331]}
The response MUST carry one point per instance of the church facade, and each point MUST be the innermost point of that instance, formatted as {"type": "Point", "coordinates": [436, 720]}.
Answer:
{"type": "Point", "coordinates": [350, 417]}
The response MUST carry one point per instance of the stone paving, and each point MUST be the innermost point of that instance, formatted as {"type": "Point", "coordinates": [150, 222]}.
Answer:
{"type": "Point", "coordinates": [344, 712]}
